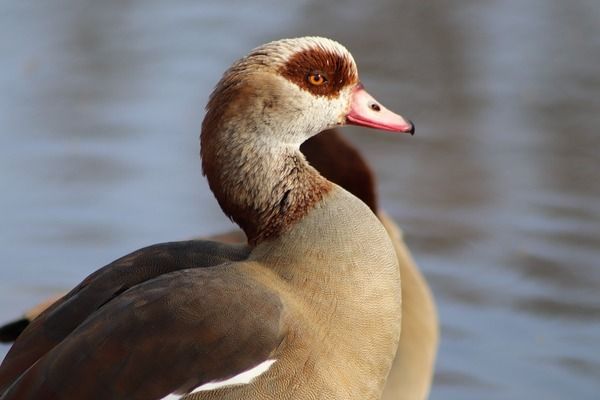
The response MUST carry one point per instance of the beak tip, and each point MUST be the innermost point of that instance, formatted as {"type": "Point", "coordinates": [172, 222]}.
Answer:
{"type": "Point", "coordinates": [412, 128]}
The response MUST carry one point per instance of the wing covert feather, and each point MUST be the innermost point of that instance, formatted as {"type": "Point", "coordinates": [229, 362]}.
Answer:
{"type": "Point", "coordinates": [66, 314]}
{"type": "Point", "coordinates": [170, 334]}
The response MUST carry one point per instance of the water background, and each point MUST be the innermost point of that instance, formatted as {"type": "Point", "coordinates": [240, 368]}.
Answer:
{"type": "Point", "coordinates": [499, 191]}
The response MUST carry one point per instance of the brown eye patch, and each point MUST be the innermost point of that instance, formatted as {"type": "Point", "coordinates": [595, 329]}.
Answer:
{"type": "Point", "coordinates": [320, 71]}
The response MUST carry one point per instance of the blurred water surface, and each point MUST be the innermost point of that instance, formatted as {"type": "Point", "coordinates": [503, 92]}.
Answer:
{"type": "Point", "coordinates": [499, 191]}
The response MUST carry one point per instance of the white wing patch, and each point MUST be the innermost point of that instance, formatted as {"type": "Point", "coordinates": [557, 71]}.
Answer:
{"type": "Point", "coordinates": [172, 397]}
{"type": "Point", "coordinates": [243, 378]}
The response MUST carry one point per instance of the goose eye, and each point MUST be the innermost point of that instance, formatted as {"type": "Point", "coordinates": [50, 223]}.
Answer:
{"type": "Point", "coordinates": [316, 78]}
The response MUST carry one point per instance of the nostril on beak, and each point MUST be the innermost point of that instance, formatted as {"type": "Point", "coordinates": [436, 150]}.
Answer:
{"type": "Point", "coordinates": [375, 107]}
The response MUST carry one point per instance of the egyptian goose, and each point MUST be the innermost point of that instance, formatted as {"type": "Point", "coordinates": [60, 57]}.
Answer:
{"type": "Point", "coordinates": [340, 162]}
{"type": "Point", "coordinates": [309, 309]}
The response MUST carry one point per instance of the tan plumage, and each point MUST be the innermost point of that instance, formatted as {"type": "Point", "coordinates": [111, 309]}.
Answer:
{"type": "Point", "coordinates": [412, 370]}
{"type": "Point", "coordinates": [317, 291]}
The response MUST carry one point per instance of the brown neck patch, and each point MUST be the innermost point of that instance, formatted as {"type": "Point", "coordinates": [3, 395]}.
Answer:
{"type": "Point", "coordinates": [338, 70]}
{"type": "Point", "coordinates": [264, 193]}
{"type": "Point", "coordinates": [296, 195]}
{"type": "Point", "coordinates": [267, 207]}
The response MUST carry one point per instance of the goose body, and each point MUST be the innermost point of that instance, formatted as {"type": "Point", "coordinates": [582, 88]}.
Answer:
{"type": "Point", "coordinates": [412, 369]}
{"type": "Point", "coordinates": [311, 307]}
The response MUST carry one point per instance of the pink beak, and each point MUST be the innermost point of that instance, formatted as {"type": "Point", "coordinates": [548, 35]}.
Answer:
{"type": "Point", "coordinates": [366, 111]}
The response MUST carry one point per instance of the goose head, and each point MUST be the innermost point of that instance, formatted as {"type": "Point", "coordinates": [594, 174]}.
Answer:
{"type": "Point", "coordinates": [264, 107]}
{"type": "Point", "coordinates": [295, 88]}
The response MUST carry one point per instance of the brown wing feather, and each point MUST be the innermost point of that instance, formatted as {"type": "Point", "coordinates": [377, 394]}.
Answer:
{"type": "Point", "coordinates": [170, 334]}
{"type": "Point", "coordinates": [52, 326]}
